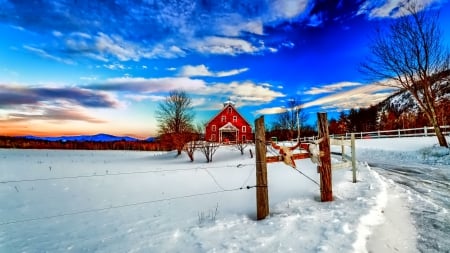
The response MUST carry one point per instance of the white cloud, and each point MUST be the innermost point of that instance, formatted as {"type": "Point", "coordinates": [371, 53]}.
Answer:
{"type": "Point", "coordinates": [234, 25]}
{"type": "Point", "coordinates": [282, 9]}
{"type": "Point", "coordinates": [114, 66]}
{"type": "Point", "coordinates": [42, 53]}
{"type": "Point", "coordinates": [231, 72]}
{"type": "Point", "coordinates": [199, 70]}
{"type": "Point", "coordinates": [223, 45]}
{"type": "Point", "coordinates": [271, 110]}
{"type": "Point", "coordinates": [116, 46]}
{"type": "Point", "coordinates": [245, 91]}
{"type": "Point", "coordinates": [392, 8]}
{"type": "Point", "coordinates": [330, 88]}
{"type": "Point", "coordinates": [103, 47]}
{"type": "Point", "coordinates": [139, 98]}
{"type": "Point", "coordinates": [163, 51]}
{"type": "Point", "coordinates": [202, 70]}
{"type": "Point", "coordinates": [57, 34]}
{"type": "Point", "coordinates": [197, 102]}
{"type": "Point", "coordinates": [139, 89]}
{"type": "Point", "coordinates": [363, 96]}
{"type": "Point", "coordinates": [150, 85]}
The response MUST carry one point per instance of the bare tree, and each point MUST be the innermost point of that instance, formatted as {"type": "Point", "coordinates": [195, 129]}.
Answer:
{"type": "Point", "coordinates": [410, 56]}
{"type": "Point", "coordinates": [240, 145]}
{"type": "Point", "coordinates": [175, 118]}
{"type": "Point", "coordinates": [190, 149]}
{"type": "Point", "coordinates": [209, 149]}
{"type": "Point", "coordinates": [287, 121]}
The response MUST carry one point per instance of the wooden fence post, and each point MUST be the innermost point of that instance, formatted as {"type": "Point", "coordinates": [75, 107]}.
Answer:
{"type": "Point", "coordinates": [326, 189]}
{"type": "Point", "coordinates": [353, 157]}
{"type": "Point", "coordinates": [262, 193]}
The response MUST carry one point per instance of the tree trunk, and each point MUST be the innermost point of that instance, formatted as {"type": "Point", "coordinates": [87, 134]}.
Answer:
{"type": "Point", "coordinates": [431, 115]}
{"type": "Point", "coordinates": [428, 108]}
{"type": "Point", "coordinates": [439, 135]}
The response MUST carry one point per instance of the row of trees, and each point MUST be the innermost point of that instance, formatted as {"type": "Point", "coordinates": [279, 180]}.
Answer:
{"type": "Point", "coordinates": [375, 118]}
{"type": "Point", "coordinates": [24, 143]}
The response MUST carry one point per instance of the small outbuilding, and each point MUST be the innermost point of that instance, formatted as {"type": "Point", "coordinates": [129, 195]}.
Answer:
{"type": "Point", "coordinates": [228, 126]}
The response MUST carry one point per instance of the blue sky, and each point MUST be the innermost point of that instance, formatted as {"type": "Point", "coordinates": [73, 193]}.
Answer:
{"type": "Point", "coordinates": [83, 67]}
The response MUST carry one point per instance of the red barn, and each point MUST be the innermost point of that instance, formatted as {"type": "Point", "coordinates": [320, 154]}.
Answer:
{"type": "Point", "coordinates": [228, 126]}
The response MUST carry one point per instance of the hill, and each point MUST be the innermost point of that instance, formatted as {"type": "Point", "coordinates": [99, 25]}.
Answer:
{"type": "Point", "coordinates": [402, 101]}
{"type": "Point", "coordinates": [82, 138]}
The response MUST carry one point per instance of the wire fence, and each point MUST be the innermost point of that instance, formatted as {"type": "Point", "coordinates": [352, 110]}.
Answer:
{"type": "Point", "coordinates": [221, 188]}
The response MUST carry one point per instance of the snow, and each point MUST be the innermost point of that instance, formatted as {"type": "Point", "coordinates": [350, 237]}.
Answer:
{"type": "Point", "coordinates": [125, 201]}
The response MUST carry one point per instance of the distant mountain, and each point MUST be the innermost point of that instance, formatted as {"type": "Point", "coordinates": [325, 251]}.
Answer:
{"type": "Point", "coordinates": [399, 102]}
{"type": "Point", "coordinates": [82, 138]}
{"type": "Point", "coordinates": [403, 100]}
{"type": "Point", "coordinates": [150, 139]}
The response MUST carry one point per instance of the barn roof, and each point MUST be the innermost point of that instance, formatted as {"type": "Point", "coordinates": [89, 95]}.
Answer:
{"type": "Point", "coordinates": [226, 105]}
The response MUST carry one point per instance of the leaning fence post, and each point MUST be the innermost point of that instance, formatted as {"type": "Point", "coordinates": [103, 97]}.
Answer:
{"type": "Point", "coordinates": [262, 194]}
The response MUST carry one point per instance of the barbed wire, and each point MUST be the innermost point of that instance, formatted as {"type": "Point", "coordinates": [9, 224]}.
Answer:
{"type": "Point", "coordinates": [120, 206]}
{"type": "Point", "coordinates": [118, 174]}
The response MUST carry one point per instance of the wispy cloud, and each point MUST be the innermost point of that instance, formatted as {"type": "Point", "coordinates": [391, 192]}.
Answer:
{"type": "Point", "coordinates": [140, 98]}
{"type": "Point", "coordinates": [146, 88]}
{"type": "Point", "coordinates": [286, 9]}
{"type": "Point", "coordinates": [330, 88]}
{"type": "Point", "coordinates": [269, 111]}
{"type": "Point", "coordinates": [360, 97]}
{"type": "Point", "coordinates": [19, 95]}
{"type": "Point", "coordinates": [171, 29]}
{"type": "Point", "coordinates": [160, 29]}
{"type": "Point", "coordinates": [115, 66]}
{"type": "Point", "coordinates": [224, 46]}
{"type": "Point", "coordinates": [202, 70]}
{"type": "Point", "coordinates": [148, 85]}
{"type": "Point", "coordinates": [42, 53]}
{"type": "Point", "coordinates": [54, 114]}
{"type": "Point", "coordinates": [392, 8]}
{"type": "Point", "coordinates": [248, 92]}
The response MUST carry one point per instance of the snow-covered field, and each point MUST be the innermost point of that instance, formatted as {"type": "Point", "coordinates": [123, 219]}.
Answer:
{"type": "Point", "coordinates": [120, 201]}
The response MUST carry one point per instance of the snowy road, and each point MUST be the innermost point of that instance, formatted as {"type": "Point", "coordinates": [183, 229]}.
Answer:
{"type": "Point", "coordinates": [420, 169]}
{"type": "Point", "coordinates": [429, 190]}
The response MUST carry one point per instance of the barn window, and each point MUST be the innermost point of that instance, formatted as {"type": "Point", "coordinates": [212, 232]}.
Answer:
{"type": "Point", "coordinates": [244, 138]}
{"type": "Point", "coordinates": [213, 128]}
{"type": "Point", "coordinates": [234, 118]}
{"type": "Point", "coordinates": [244, 129]}
{"type": "Point", "coordinates": [223, 119]}
{"type": "Point", "coordinates": [213, 137]}
{"type": "Point", "coordinates": [230, 110]}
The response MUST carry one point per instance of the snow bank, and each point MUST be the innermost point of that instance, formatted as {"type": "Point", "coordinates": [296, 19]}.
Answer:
{"type": "Point", "coordinates": [119, 201]}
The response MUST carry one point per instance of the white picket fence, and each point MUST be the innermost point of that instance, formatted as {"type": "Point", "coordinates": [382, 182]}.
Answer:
{"type": "Point", "coordinates": [410, 132]}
